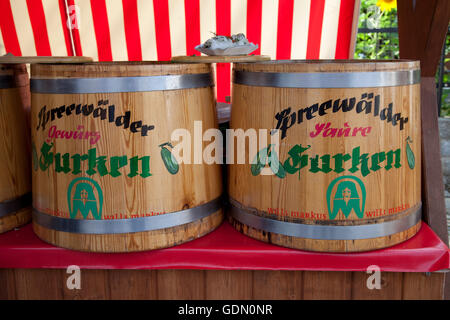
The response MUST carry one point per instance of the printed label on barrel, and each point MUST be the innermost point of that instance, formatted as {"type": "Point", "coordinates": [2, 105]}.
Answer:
{"type": "Point", "coordinates": [98, 161]}
{"type": "Point", "coordinates": [349, 157]}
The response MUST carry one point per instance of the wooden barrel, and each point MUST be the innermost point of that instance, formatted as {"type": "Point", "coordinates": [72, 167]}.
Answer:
{"type": "Point", "coordinates": [105, 178]}
{"type": "Point", "coordinates": [15, 171]}
{"type": "Point", "coordinates": [343, 172]}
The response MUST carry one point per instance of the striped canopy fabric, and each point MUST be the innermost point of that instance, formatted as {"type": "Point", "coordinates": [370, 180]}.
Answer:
{"type": "Point", "coordinates": [129, 30]}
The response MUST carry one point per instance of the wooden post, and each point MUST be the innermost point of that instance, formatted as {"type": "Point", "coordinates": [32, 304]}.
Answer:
{"type": "Point", "coordinates": [422, 27]}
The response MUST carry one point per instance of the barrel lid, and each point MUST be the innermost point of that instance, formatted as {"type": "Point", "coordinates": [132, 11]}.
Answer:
{"type": "Point", "coordinates": [117, 69]}
{"type": "Point", "coordinates": [352, 65]}
{"type": "Point", "coordinates": [12, 59]}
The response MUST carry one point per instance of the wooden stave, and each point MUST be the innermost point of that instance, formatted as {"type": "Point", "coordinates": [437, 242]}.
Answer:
{"type": "Point", "coordinates": [319, 66]}
{"type": "Point", "coordinates": [18, 96]}
{"type": "Point", "coordinates": [128, 242]}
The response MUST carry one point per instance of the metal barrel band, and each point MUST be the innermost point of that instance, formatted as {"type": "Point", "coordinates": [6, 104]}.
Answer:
{"type": "Point", "coordinates": [321, 80]}
{"type": "Point", "coordinates": [327, 232]}
{"type": "Point", "coordinates": [121, 84]}
{"type": "Point", "coordinates": [116, 226]}
{"type": "Point", "coordinates": [10, 206]}
{"type": "Point", "coordinates": [7, 82]}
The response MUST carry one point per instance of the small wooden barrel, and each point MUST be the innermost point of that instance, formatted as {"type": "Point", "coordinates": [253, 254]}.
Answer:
{"type": "Point", "coordinates": [105, 177]}
{"type": "Point", "coordinates": [15, 174]}
{"type": "Point", "coordinates": [343, 170]}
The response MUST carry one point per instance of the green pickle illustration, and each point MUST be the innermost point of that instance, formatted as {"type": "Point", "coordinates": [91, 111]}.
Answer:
{"type": "Point", "coordinates": [168, 158]}
{"type": "Point", "coordinates": [410, 154]}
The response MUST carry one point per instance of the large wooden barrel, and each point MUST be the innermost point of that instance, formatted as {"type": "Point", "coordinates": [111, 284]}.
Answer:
{"type": "Point", "coordinates": [105, 178]}
{"type": "Point", "coordinates": [15, 174]}
{"type": "Point", "coordinates": [344, 173]}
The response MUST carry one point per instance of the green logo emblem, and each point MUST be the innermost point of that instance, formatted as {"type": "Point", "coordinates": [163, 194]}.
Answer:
{"type": "Point", "coordinates": [84, 195]}
{"type": "Point", "coordinates": [346, 196]}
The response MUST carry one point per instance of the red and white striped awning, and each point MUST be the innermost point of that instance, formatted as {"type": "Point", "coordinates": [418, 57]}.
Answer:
{"type": "Point", "coordinates": [114, 30]}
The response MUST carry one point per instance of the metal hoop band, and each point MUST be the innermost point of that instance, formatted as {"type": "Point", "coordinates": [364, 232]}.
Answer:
{"type": "Point", "coordinates": [328, 232]}
{"type": "Point", "coordinates": [162, 221]}
{"type": "Point", "coordinates": [121, 84]}
{"type": "Point", "coordinates": [10, 206]}
{"type": "Point", "coordinates": [327, 79]}
{"type": "Point", "coordinates": [7, 82]}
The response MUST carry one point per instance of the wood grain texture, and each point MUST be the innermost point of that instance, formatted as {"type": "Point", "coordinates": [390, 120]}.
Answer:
{"type": "Point", "coordinates": [421, 286]}
{"type": "Point", "coordinates": [422, 26]}
{"type": "Point", "coordinates": [181, 284]}
{"type": "Point", "coordinates": [277, 285]}
{"type": "Point", "coordinates": [133, 284]}
{"type": "Point", "coordinates": [327, 285]}
{"type": "Point", "coordinates": [31, 284]}
{"type": "Point", "coordinates": [7, 284]}
{"type": "Point", "coordinates": [193, 285]}
{"type": "Point", "coordinates": [95, 285]}
{"type": "Point", "coordinates": [15, 178]}
{"type": "Point", "coordinates": [298, 194]}
{"type": "Point", "coordinates": [229, 285]}
{"type": "Point", "coordinates": [15, 219]}
{"type": "Point", "coordinates": [11, 59]}
{"type": "Point", "coordinates": [434, 212]}
{"type": "Point", "coordinates": [391, 286]}
{"type": "Point", "coordinates": [354, 34]}
{"type": "Point", "coordinates": [132, 196]}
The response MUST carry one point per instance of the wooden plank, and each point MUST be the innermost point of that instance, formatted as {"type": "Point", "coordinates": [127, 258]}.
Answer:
{"type": "Point", "coordinates": [329, 285]}
{"type": "Point", "coordinates": [7, 284]}
{"type": "Point", "coordinates": [181, 284]}
{"type": "Point", "coordinates": [391, 287]}
{"type": "Point", "coordinates": [432, 184]}
{"type": "Point", "coordinates": [422, 26]}
{"type": "Point", "coordinates": [132, 284]}
{"type": "Point", "coordinates": [421, 286]}
{"type": "Point", "coordinates": [229, 285]}
{"type": "Point", "coordinates": [45, 284]}
{"type": "Point", "coordinates": [278, 285]}
{"type": "Point", "coordinates": [94, 286]}
{"type": "Point", "coordinates": [3, 284]}
{"type": "Point", "coordinates": [351, 50]}
{"type": "Point", "coordinates": [446, 286]}
{"type": "Point", "coordinates": [9, 58]}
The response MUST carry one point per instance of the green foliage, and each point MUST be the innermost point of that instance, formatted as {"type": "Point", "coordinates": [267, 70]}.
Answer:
{"type": "Point", "coordinates": [445, 102]}
{"type": "Point", "coordinates": [376, 45]}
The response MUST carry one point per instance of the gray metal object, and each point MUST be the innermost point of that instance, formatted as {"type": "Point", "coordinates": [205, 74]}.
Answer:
{"type": "Point", "coordinates": [115, 226]}
{"type": "Point", "coordinates": [328, 232]}
{"type": "Point", "coordinates": [121, 84]}
{"type": "Point", "coordinates": [327, 79]}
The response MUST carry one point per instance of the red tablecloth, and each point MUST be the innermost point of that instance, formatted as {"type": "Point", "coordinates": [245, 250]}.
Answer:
{"type": "Point", "coordinates": [227, 249]}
